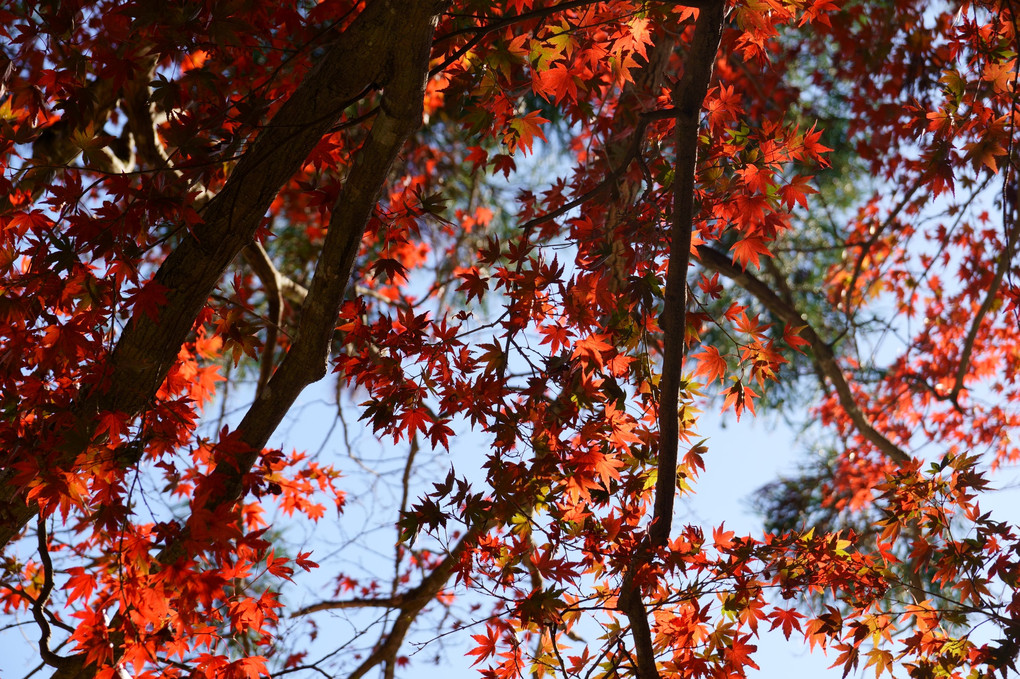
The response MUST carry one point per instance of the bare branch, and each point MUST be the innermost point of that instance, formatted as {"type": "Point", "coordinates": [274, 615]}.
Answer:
{"type": "Point", "coordinates": [340, 604]}
{"type": "Point", "coordinates": [1001, 268]}
{"type": "Point", "coordinates": [866, 250]}
{"type": "Point", "coordinates": [823, 355]}
{"type": "Point", "coordinates": [38, 606]}
{"type": "Point", "coordinates": [260, 262]}
{"type": "Point", "coordinates": [688, 99]}
{"type": "Point", "coordinates": [416, 599]}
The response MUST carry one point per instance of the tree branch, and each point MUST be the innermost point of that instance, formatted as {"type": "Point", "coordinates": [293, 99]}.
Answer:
{"type": "Point", "coordinates": [405, 66]}
{"type": "Point", "coordinates": [146, 350]}
{"type": "Point", "coordinates": [340, 604]}
{"type": "Point", "coordinates": [56, 147]}
{"type": "Point", "coordinates": [401, 36]}
{"type": "Point", "coordinates": [39, 605]}
{"type": "Point", "coordinates": [866, 250]}
{"type": "Point", "coordinates": [416, 599]}
{"type": "Point", "coordinates": [259, 260]}
{"type": "Point", "coordinates": [1001, 268]}
{"type": "Point", "coordinates": [688, 100]}
{"type": "Point", "coordinates": [823, 356]}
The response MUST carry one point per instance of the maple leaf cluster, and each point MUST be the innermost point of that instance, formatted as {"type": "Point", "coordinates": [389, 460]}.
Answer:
{"type": "Point", "coordinates": [525, 245]}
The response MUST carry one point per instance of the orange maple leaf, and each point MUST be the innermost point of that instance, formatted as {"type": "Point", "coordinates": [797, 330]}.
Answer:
{"type": "Point", "coordinates": [746, 251]}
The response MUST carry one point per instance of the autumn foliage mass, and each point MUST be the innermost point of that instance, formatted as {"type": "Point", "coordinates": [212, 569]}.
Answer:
{"type": "Point", "coordinates": [513, 250]}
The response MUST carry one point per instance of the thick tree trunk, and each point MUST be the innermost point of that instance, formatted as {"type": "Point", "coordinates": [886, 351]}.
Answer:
{"type": "Point", "coordinates": [368, 55]}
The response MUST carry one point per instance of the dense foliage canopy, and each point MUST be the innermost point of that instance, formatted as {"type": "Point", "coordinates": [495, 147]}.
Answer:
{"type": "Point", "coordinates": [527, 243]}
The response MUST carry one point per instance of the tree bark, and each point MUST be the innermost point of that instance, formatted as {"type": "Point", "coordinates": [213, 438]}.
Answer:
{"type": "Point", "coordinates": [362, 58]}
{"type": "Point", "coordinates": [822, 353]}
{"type": "Point", "coordinates": [688, 99]}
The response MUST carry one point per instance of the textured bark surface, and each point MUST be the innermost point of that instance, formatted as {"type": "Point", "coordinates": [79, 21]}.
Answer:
{"type": "Point", "coordinates": [372, 52]}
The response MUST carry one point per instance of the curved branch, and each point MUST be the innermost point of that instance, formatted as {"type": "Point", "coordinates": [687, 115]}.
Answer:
{"type": "Point", "coordinates": [416, 599]}
{"type": "Point", "coordinates": [823, 356]}
{"type": "Point", "coordinates": [866, 250]}
{"type": "Point", "coordinates": [38, 606]}
{"type": "Point", "coordinates": [56, 147]}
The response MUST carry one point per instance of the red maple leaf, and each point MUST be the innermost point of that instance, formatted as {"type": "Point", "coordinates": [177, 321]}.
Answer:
{"type": "Point", "coordinates": [486, 644]}
{"type": "Point", "coordinates": [591, 348]}
{"type": "Point", "coordinates": [559, 83]}
{"type": "Point", "coordinates": [710, 364]}
{"type": "Point", "coordinates": [747, 250]}
{"type": "Point", "coordinates": [148, 300]}
{"type": "Point", "coordinates": [523, 131]}
{"type": "Point", "coordinates": [787, 618]}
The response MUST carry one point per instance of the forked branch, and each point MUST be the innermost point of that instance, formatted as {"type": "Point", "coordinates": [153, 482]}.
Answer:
{"type": "Point", "coordinates": [306, 360]}
{"type": "Point", "coordinates": [148, 348]}
{"type": "Point", "coordinates": [408, 605]}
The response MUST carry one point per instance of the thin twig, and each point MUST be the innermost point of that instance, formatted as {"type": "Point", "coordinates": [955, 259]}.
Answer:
{"type": "Point", "coordinates": [47, 655]}
{"type": "Point", "coordinates": [259, 260]}
{"type": "Point", "coordinates": [1001, 268]}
